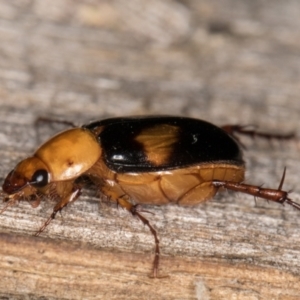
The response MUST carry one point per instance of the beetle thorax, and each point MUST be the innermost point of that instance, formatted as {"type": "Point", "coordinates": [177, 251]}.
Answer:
{"type": "Point", "coordinates": [70, 153]}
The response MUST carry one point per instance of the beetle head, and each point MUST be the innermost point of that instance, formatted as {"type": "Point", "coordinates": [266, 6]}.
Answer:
{"type": "Point", "coordinates": [28, 176]}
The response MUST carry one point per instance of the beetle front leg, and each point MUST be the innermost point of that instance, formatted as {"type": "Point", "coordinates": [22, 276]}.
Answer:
{"type": "Point", "coordinates": [76, 191]}
{"type": "Point", "coordinates": [275, 195]}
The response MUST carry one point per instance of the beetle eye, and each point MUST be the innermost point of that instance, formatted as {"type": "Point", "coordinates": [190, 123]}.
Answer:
{"type": "Point", "coordinates": [40, 178]}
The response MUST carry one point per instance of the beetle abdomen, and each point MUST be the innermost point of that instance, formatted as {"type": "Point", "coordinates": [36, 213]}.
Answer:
{"type": "Point", "coordinates": [188, 186]}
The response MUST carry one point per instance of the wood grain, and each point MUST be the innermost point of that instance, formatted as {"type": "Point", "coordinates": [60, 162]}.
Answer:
{"type": "Point", "coordinates": [226, 62]}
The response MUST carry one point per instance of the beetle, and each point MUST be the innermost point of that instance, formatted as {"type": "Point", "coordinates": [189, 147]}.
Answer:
{"type": "Point", "coordinates": [138, 160]}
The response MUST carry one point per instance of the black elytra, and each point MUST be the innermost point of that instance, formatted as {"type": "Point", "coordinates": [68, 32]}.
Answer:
{"type": "Point", "coordinates": [196, 142]}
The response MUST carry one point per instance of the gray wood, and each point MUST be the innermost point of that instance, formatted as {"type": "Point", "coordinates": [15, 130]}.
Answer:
{"type": "Point", "coordinates": [223, 61]}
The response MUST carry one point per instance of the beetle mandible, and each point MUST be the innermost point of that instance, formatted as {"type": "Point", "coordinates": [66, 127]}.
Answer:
{"type": "Point", "coordinates": [138, 160]}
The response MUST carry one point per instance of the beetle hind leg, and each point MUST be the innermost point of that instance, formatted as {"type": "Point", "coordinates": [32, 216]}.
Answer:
{"type": "Point", "coordinates": [275, 195]}
{"type": "Point", "coordinates": [252, 132]}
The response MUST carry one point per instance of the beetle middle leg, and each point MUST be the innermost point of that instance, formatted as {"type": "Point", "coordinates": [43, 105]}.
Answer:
{"type": "Point", "coordinates": [135, 212]}
{"type": "Point", "coordinates": [275, 195]}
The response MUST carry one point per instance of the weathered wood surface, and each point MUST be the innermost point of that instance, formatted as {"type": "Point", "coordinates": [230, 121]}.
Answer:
{"type": "Point", "coordinates": [223, 61]}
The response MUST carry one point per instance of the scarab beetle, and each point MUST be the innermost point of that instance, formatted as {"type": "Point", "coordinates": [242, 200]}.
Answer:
{"type": "Point", "coordinates": [138, 160]}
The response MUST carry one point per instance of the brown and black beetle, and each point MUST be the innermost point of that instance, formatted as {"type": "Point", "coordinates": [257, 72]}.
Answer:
{"type": "Point", "coordinates": [138, 160]}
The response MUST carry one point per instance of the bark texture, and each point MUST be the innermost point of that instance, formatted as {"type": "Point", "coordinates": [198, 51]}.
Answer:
{"type": "Point", "coordinates": [222, 61]}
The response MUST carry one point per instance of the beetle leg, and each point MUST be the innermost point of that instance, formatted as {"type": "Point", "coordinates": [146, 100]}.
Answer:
{"type": "Point", "coordinates": [50, 120]}
{"type": "Point", "coordinates": [9, 203]}
{"type": "Point", "coordinates": [59, 206]}
{"type": "Point", "coordinates": [252, 132]}
{"type": "Point", "coordinates": [116, 194]}
{"type": "Point", "coordinates": [134, 209]}
{"type": "Point", "coordinates": [276, 195]}
{"type": "Point", "coordinates": [41, 120]}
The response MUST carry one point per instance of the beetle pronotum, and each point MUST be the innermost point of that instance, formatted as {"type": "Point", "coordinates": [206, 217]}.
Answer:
{"type": "Point", "coordinates": [138, 160]}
